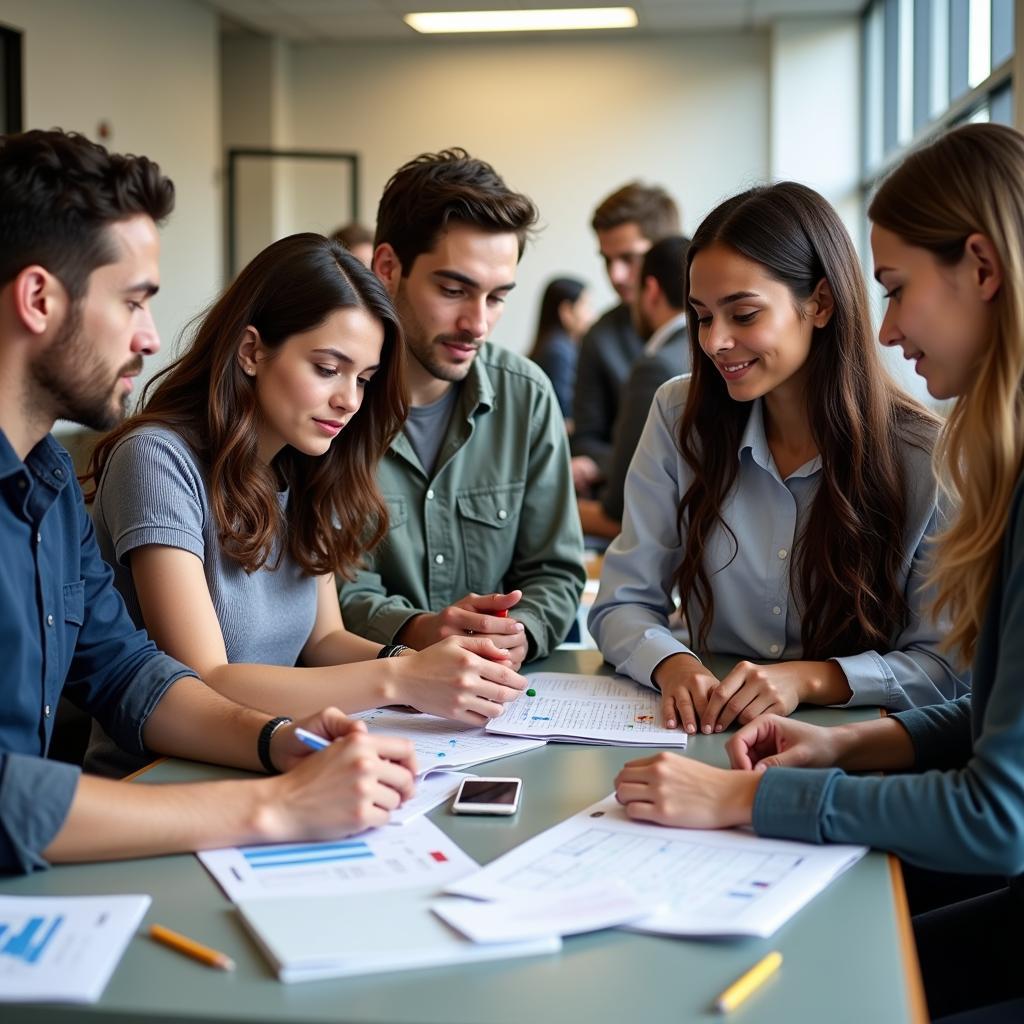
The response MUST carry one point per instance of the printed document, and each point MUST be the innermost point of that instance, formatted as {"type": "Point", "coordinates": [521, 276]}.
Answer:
{"type": "Point", "coordinates": [611, 710]}
{"type": "Point", "coordinates": [441, 743]}
{"type": "Point", "coordinates": [728, 882]}
{"type": "Point", "coordinates": [418, 854]}
{"type": "Point", "coordinates": [63, 949]}
{"type": "Point", "coordinates": [315, 937]}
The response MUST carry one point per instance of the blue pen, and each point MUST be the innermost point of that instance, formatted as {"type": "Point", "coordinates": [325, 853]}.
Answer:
{"type": "Point", "coordinates": [311, 739]}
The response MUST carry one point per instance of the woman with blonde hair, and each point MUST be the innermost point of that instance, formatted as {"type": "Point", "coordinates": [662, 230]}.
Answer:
{"type": "Point", "coordinates": [246, 486]}
{"type": "Point", "coordinates": [947, 239]}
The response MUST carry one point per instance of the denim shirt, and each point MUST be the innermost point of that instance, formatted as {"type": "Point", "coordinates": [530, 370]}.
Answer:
{"type": "Point", "coordinates": [498, 513]}
{"type": "Point", "coordinates": [63, 629]}
{"type": "Point", "coordinates": [757, 611]}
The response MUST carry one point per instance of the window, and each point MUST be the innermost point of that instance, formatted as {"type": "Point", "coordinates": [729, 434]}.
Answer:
{"type": "Point", "coordinates": [929, 65]}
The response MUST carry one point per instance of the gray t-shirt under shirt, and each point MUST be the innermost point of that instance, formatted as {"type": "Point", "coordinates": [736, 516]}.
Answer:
{"type": "Point", "coordinates": [427, 426]}
{"type": "Point", "coordinates": [154, 491]}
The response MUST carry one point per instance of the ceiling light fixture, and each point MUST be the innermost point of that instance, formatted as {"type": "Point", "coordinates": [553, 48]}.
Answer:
{"type": "Point", "coordinates": [566, 19]}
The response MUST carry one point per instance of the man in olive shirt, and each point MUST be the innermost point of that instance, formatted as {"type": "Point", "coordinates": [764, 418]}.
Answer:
{"type": "Point", "coordinates": [483, 518]}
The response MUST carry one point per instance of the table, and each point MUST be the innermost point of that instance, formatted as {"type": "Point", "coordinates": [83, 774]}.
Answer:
{"type": "Point", "coordinates": [848, 955]}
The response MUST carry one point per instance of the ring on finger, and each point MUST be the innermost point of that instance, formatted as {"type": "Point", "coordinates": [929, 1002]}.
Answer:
{"type": "Point", "coordinates": [469, 632]}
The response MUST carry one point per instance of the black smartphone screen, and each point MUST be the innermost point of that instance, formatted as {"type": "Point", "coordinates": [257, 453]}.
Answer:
{"type": "Point", "coordinates": [487, 791]}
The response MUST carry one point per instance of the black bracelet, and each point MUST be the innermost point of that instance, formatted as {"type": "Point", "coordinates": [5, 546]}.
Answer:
{"type": "Point", "coordinates": [392, 650]}
{"type": "Point", "coordinates": [263, 743]}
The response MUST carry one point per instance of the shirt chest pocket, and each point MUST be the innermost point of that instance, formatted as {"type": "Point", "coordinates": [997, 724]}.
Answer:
{"type": "Point", "coordinates": [398, 513]}
{"type": "Point", "coordinates": [73, 597]}
{"type": "Point", "coordinates": [489, 522]}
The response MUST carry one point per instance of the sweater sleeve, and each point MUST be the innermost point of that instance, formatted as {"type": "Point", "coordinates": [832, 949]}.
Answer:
{"type": "Point", "coordinates": [965, 811]}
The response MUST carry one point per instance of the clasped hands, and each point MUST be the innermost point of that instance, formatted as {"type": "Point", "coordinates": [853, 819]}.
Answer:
{"type": "Point", "coordinates": [693, 697]}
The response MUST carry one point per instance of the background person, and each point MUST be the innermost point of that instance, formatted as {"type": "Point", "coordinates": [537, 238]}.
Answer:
{"type": "Point", "coordinates": [565, 315]}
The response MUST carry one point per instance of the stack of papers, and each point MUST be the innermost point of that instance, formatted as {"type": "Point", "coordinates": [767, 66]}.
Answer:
{"type": "Point", "coordinates": [63, 949]}
{"type": "Point", "coordinates": [612, 710]}
{"type": "Point", "coordinates": [721, 883]}
{"type": "Point", "coordinates": [442, 744]}
{"type": "Point", "coordinates": [357, 905]}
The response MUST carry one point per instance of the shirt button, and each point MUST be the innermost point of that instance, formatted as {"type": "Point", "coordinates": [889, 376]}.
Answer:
{"type": "Point", "coordinates": [430, 495]}
{"type": "Point", "coordinates": [39, 538]}
{"type": "Point", "coordinates": [502, 514]}
{"type": "Point", "coordinates": [774, 649]}
{"type": "Point", "coordinates": [59, 474]}
{"type": "Point", "coordinates": [49, 620]}
{"type": "Point", "coordinates": [439, 559]}
{"type": "Point", "coordinates": [783, 552]}
{"type": "Point", "coordinates": [776, 610]}
{"type": "Point", "coordinates": [46, 711]}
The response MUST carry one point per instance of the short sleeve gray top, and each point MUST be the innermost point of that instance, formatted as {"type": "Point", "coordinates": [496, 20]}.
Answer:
{"type": "Point", "coordinates": [154, 491]}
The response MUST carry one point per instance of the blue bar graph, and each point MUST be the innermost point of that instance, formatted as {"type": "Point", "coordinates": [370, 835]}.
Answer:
{"type": "Point", "coordinates": [21, 945]}
{"type": "Point", "coordinates": [305, 853]}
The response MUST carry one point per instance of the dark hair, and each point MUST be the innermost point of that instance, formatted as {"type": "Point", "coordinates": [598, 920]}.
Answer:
{"type": "Point", "coordinates": [434, 190]}
{"type": "Point", "coordinates": [649, 207]}
{"type": "Point", "coordinates": [335, 511]}
{"type": "Point", "coordinates": [665, 261]}
{"type": "Point", "coordinates": [351, 235]}
{"type": "Point", "coordinates": [59, 193]}
{"type": "Point", "coordinates": [848, 568]}
{"type": "Point", "coordinates": [558, 290]}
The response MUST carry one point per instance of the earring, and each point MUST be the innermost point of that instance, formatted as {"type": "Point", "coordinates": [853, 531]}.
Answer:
{"type": "Point", "coordinates": [250, 370]}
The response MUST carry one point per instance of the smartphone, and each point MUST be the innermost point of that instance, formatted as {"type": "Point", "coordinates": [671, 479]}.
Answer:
{"type": "Point", "coordinates": [488, 796]}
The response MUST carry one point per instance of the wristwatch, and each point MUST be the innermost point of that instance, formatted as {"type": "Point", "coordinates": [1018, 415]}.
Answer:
{"type": "Point", "coordinates": [263, 743]}
{"type": "Point", "coordinates": [392, 650]}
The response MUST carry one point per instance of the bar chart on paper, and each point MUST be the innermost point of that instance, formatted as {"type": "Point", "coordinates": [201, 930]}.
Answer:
{"type": "Point", "coordinates": [63, 949]}
{"type": "Point", "coordinates": [384, 858]}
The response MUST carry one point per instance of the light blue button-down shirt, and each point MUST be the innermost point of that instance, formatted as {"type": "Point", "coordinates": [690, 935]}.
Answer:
{"type": "Point", "coordinates": [756, 610]}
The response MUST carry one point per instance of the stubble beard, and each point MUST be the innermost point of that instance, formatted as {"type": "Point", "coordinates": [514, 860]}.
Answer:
{"type": "Point", "coordinates": [71, 379]}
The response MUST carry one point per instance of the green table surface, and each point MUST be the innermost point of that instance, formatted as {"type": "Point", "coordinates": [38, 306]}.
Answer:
{"type": "Point", "coordinates": [843, 957]}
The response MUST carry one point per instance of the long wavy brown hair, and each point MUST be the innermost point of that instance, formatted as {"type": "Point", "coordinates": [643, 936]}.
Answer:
{"type": "Point", "coordinates": [972, 180]}
{"type": "Point", "coordinates": [848, 567]}
{"type": "Point", "coordinates": [335, 512]}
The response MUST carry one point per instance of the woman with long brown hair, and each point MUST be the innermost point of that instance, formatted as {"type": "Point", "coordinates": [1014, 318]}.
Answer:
{"type": "Point", "coordinates": [784, 492]}
{"type": "Point", "coordinates": [229, 505]}
{"type": "Point", "coordinates": [948, 239]}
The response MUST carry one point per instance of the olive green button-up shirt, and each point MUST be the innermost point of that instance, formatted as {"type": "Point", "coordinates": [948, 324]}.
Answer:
{"type": "Point", "coordinates": [498, 513]}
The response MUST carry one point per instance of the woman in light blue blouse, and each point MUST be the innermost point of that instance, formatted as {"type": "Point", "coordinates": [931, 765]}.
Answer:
{"type": "Point", "coordinates": [785, 491]}
{"type": "Point", "coordinates": [947, 239]}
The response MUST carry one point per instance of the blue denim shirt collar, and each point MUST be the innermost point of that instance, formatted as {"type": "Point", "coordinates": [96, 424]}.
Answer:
{"type": "Point", "coordinates": [45, 465]}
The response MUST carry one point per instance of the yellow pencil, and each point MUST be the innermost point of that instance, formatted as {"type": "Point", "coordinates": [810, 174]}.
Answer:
{"type": "Point", "coordinates": [196, 950]}
{"type": "Point", "coordinates": [749, 983]}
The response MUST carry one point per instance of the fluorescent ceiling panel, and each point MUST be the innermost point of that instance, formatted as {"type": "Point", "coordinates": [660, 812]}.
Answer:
{"type": "Point", "coordinates": [561, 20]}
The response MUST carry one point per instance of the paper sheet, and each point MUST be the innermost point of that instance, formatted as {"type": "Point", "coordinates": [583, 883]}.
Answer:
{"type": "Point", "coordinates": [588, 709]}
{"type": "Point", "coordinates": [431, 789]}
{"type": "Point", "coordinates": [537, 915]}
{"type": "Point", "coordinates": [711, 882]}
{"type": "Point", "coordinates": [63, 949]}
{"type": "Point", "coordinates": [440, 743]}
{"type": "Point", "coordinates": [418, 854]}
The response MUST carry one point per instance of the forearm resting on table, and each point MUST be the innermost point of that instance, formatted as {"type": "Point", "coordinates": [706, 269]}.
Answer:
{"type": "Point", "coordinates": [298, 692]}
{"type": "Point", "coordinates": [116, 820]}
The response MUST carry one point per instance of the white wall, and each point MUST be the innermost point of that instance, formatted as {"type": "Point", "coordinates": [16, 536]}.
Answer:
{"type": "Point", "coordinates": [564, 121]}
{"type": "Point", "coordinates": [149, 68]}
